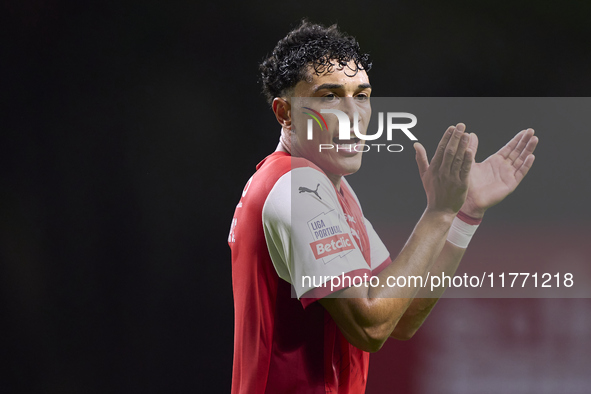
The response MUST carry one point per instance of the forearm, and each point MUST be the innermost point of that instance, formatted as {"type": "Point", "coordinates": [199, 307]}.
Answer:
{"type": "Point", "coordinates": [420, 307]}
{"type": "Point", "coordinates": [369, 314]}
{"type": "Point", "coordinates": [418, 256]}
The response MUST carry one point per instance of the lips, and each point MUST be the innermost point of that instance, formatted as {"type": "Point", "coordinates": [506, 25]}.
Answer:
{"type": "Point", "coordinates": [350, 141]}
{"type": "Point", "coordinates": [348, 146]}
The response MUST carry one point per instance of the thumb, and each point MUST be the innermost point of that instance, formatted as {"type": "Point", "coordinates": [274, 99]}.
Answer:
{"type": "Point", "coordinates": [421, 158]}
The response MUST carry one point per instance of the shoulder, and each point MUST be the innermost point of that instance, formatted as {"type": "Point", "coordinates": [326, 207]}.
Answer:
{"type": "Point", "coordinates": [282, 166]}
{"type": "Point", "coordinates": [301, 189]}
{"type": "Point", "coordinates": [281, 162]}
{"type": "Point", "coordinates": [278, 178]}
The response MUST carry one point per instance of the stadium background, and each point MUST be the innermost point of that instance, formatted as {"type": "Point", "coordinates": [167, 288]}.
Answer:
{"type": "Point", "coordinates": [129, 130]}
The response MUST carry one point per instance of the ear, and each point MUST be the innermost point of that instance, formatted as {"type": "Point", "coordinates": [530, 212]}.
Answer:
{"type": "Point", "coordinates": [282, 110]}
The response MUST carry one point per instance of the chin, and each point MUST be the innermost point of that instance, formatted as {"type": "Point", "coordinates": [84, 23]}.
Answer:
{"type": "Point", "coordinates": [348, 167]}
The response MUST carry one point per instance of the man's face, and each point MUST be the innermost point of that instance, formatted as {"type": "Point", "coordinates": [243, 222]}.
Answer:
{"type": "Point", "coordinates": [339, 90]}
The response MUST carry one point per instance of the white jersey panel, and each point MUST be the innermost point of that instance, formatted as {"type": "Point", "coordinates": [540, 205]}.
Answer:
{"type": "Point", "coordinates": [306, 230]}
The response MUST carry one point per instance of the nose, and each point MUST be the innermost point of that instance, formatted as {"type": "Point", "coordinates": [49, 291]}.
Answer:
{"type": "Point", "coordinates": [349, 108]}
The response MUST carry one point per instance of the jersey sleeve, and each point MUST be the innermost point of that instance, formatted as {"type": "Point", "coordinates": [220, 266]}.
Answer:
{"type": "Point", "coordinates": [380, 257]}
{"type": "Point", "coordinates": [308, 237]}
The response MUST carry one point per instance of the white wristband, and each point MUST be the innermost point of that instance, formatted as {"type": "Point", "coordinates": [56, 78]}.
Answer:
{"type": "Point", "coordinates": [460, 233]}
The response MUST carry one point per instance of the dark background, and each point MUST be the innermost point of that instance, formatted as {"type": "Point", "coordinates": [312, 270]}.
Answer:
{"type": "Point", "coordinates": [128, 131]}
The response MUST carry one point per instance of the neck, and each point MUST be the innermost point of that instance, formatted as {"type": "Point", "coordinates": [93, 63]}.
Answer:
{"type": "Point", "coordinates": [335, 179]}
{"type": "Point", "coordinates": [284, 145]}
{"type": "Point", "coordinates": [284, 141]}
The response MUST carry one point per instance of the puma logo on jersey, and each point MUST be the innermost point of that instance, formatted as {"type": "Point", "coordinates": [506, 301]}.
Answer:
{"type": "Point", "coordinates": [303, 189]}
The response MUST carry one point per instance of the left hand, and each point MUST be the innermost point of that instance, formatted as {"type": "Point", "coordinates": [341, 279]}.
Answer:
{"type": "Point", "coordinates": [497, 176]}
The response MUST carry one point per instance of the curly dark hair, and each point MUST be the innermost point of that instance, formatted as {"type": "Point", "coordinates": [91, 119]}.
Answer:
{"type": "Point", "coordinates": [309, 45]}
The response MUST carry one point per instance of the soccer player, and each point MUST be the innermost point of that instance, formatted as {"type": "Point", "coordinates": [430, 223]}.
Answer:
{"type": "Point", "coordinates": [299, 218]}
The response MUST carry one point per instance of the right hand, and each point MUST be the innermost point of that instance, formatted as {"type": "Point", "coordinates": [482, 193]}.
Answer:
{"type": "Point", "coordinates": [446, 179]}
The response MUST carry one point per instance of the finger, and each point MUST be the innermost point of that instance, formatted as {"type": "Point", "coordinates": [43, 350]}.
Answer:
{"type": "Point", "coordinates": [520, 146]}
{"type": "Point", "coordinates": [421, 158]}
{"type": "Point", "coordinates": [507, 149]}
{"type": "Point", "coordinates": [438, 156]}
{"type": "Point", "coordinates": [525, 167]}
{"type": "Point", "coordinates": [466, 165]}
{"type": "Point", "coordinates": [529, 149]}
{"type": "Point", "coordinates": [458, 160]}
{"type": "Point", "coordinates": [452, 148]}
{"type": "Point", "coordinates": [473, 144]}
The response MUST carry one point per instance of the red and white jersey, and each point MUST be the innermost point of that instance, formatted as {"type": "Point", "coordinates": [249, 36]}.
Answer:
{"type": "Point", "coordinates": [290, 229]}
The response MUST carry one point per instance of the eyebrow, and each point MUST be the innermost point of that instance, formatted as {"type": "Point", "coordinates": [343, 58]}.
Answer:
{"type": "Point", "coordinates": [337, 86]}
